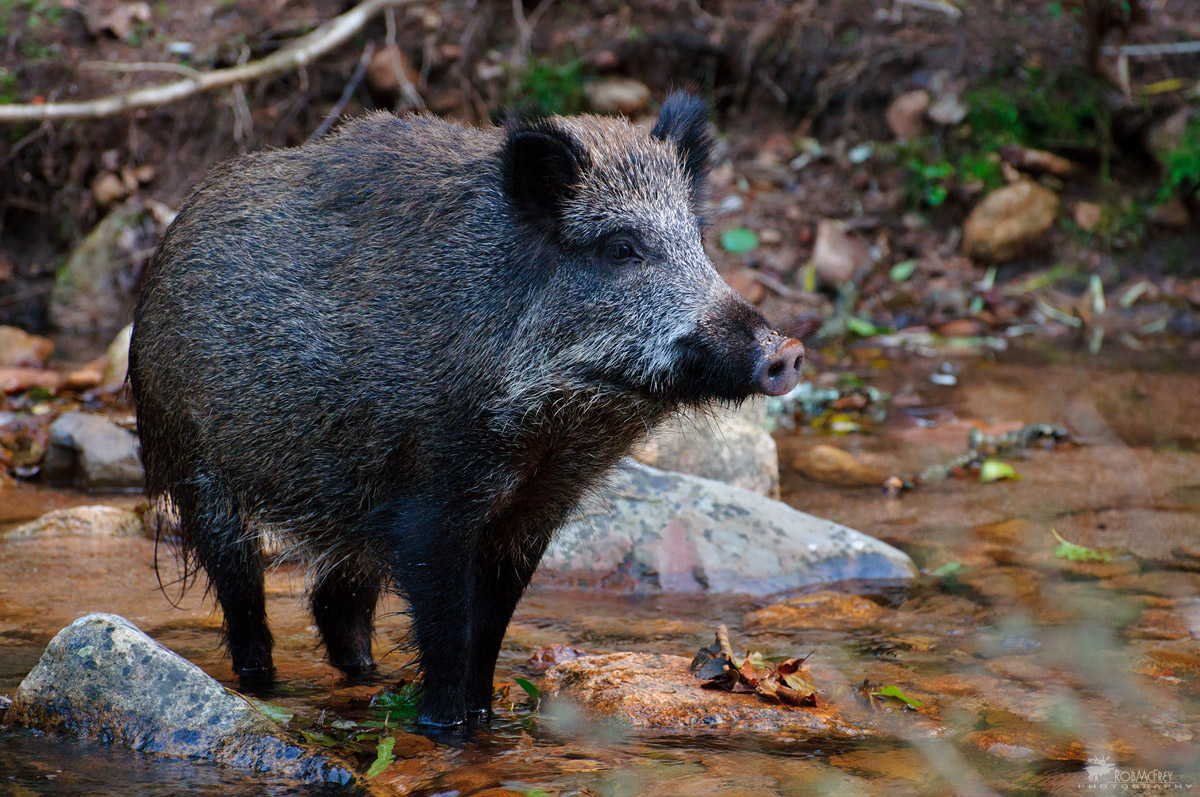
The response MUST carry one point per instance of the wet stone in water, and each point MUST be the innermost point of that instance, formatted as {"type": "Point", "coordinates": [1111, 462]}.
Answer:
{"type": "Point", "coordinates": [103, 680]}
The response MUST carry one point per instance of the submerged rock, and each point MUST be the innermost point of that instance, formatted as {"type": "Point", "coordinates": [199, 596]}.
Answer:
{"type": "Point", "coordinates": [728, 445]}
{"type": "Point", "coordinates": [102, 679]}
{"type": "Point", "coordinates": [92, 449]}
{"type": "Point", "coordinates": [645, 690]}
{"type": "Point", "coordinates": [650, 530]}
{"type": "Point", "coordinates": [831, 465]}
{"type": "Point", "coordinates": [829, 610]}
{"type": "Point", "coordinates": [92, 521]}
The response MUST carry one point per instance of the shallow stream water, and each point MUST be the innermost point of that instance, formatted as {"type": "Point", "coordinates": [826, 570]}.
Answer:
{"type": "Point", "coordinates": [1025, 663]}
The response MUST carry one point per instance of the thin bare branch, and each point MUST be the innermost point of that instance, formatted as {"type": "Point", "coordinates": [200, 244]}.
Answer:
{"type": "Point", "coordinates": [296, 55]}
{"type": "Point", "coordinates": [347, 93]}
{"type": "Point", "coordinates": [407, 90]}
{"type": "Point", "coordinates": [1150, 50]}
{"type": "Point", "coordinates": [144, 66]}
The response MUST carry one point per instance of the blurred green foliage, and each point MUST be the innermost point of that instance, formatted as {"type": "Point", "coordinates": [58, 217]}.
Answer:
{"type": "Point", "coordinates": [1182, 173]}
{"type": "Point", "coordinates": [1037, 109]}
{"type": "Point", "coordinates": [1042, 110]}
{"type": "Point", "coordinates": [548, 87]}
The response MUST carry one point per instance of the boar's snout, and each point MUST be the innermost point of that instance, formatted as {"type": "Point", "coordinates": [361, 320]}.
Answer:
{"type": "Point", "coordinates": [778, 369]}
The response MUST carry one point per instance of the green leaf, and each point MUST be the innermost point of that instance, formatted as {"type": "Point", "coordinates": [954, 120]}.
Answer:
{"type": "Point", "coordinates": [319, 739]}
{"type": "Point", "coordinates": [529, 687]}
{"type": "Point", "coordinates": [993, 470]}
{"type": "Point", "coordinates": [275, 713]}
{"type": "Point", "coordinates": [948, 569]}
{"type": "Point", "coordinates": [1079, 553]}
{"type": "Point", "coordinates": [808, 277]}
{"type": "Point", "coordinates": [861, 327]}
{"type": "Point", "coordinates": [383, 757]}
{"type": "Point", "coordinates": [902, 270]}
{"type": "Point", "coordinates": [895, 693]}
{"type": "Point", "coordinates": [401, 704]}
{"type": "Point", "coordinates": [739, 240]}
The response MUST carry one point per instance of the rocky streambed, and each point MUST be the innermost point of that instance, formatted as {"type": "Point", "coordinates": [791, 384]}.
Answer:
{"type": "Point", "coordinates": [1009, 663]}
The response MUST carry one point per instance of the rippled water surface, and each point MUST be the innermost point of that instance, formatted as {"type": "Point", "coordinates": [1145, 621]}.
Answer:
{"type": "Point", "coordinates": [1025, 663]}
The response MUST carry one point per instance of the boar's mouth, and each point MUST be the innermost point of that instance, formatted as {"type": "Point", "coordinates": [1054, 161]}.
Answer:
{"type": "Point", "coordinates": [709, 372]}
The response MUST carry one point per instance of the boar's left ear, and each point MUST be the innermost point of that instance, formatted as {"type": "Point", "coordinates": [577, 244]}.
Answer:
{"type": "Point", "coordinates": [684, 122]}
{"type": "Point", "coordinates": [541, 165]}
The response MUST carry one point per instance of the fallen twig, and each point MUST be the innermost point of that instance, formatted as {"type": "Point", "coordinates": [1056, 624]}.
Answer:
{"type": "Point", "coordinates": [941, 6]}
{"type": "Point", "coordinates": [347, 93]}
{"type": "Point", "coordinates": [723, 641]}
{"type": "Point", "coordinates": [1147, 50]}
{"type": "Point", "coordinates": [774, 285]}
{"type": "Point", "coordinates": [307, 48]}
{"type": "Point", "coordinates": [407, 90]}
{"type": "Point", "coordinates": [144, 66]}
{"type": "Point", "coordinates": [979, 447]}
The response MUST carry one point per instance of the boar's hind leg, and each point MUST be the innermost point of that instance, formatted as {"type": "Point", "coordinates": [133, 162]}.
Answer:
{"type": "Point", "coordinates": [343, 604]}
{"type": "Point", "coordinates": [215, 531]}
{"type": "Point", "coordinates": [503, 573]}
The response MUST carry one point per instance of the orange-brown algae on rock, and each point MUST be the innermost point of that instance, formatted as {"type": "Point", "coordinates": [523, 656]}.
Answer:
{"type": "Point", "coordinates": [1021, 740]}
{"type": "Point", "coordinates": [825, 610]}
{"type": "Point", "coordinates": [645, 690]}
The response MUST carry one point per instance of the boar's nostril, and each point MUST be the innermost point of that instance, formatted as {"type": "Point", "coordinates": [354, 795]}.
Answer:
{"type": "Point", "coordinates": [779, 370]}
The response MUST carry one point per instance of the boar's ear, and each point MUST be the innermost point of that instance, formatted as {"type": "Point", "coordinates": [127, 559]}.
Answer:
{"type": "Point", "coordinates": [684, 122]}
{"type": "Point", "coordinates": [541, 165]}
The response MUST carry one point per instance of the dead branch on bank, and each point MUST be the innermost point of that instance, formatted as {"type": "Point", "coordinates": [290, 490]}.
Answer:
{"type": "Point", "coordinates": [304, 50]}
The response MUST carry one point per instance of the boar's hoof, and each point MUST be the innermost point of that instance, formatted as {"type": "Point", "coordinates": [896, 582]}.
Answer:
{"type": "Point", "coordinates": [358, 671]}
{"type": "Point", "coordinates": [255, 679]}
{"type": "Point", "coordinates": [446, 720]}
{"type": "Point", "coordinates": [481, 716]}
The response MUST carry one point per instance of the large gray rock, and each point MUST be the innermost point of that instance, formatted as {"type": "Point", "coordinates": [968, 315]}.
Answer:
{"type": "Point", "coordinates": [89, 448]}
{"type": "Point", "coordinates": [650, 531]}
{"type": "Point", "coordinates": [102, 679]}
{"type": "Point", "coordinates": [94, 289]}
{"type": "Point", "coordinates": [728, 445]}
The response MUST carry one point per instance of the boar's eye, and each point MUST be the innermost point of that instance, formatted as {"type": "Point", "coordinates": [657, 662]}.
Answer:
{"type": "Point", "coordinates": [620, 252]}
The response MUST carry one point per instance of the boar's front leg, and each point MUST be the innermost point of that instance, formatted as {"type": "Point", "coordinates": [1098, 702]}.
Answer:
{"type": "Point", "coordinates": [433, 570]}
{"type": "Point", "coordinates": [504, 566]}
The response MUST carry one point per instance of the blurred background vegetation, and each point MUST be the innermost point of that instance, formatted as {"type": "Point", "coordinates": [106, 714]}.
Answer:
{"type": "Point", "coordinates": [923, 106]}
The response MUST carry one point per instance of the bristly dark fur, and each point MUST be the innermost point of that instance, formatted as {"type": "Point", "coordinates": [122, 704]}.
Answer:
{"type": "Point", "coordinates": [540, 163]}
{"type": "Point", "coordinates": [410, 347]}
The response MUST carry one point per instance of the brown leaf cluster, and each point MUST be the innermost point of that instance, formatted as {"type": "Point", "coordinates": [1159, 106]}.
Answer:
{"type": "Point", "coordinates": [788, 682]}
